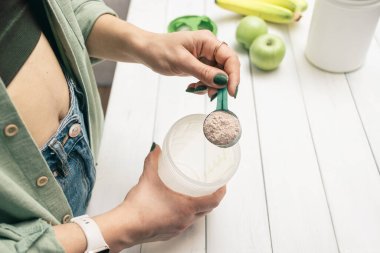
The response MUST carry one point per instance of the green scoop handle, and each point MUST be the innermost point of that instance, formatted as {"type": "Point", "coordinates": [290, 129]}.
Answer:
{"type": "Point", "coordinates": [222, 100]}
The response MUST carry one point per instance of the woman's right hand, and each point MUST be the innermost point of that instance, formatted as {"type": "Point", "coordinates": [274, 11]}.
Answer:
{"type": "Point", "coordinates": [153, 212]}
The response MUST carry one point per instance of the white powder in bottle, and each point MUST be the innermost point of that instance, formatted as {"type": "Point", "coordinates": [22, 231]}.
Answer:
{"type": "Point", "coordinates": [222, 128]}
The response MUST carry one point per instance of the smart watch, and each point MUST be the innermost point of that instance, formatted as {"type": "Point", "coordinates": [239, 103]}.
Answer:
{"type": "Point", "coordinates": [95, 240]}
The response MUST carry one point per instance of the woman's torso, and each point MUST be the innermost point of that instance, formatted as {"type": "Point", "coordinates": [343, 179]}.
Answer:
{"type": "Point", "coordinates": [40, 92]}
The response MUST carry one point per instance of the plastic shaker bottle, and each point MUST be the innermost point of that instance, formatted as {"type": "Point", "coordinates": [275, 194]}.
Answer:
{"type": "Point", "coordinates": [341, 32]}
{"type": "Point", "coordinates": [190, 164]}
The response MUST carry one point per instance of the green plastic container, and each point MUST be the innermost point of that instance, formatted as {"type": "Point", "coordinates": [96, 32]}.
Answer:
{"type": "Point", "coordinates": [192, 23]}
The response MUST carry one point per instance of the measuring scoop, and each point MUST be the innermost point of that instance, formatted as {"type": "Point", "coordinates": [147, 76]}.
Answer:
{"type": "Point", "coordinates": [222, 127]}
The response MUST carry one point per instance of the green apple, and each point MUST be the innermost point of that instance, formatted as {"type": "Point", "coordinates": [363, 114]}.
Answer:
{"type": "Point", "coordinates": [249, 28]}
{"type": "Point", "coordinates": [267, 51]}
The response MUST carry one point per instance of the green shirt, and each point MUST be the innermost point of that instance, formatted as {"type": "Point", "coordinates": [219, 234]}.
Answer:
{"type": "Point", "coordinates": [28, 206]}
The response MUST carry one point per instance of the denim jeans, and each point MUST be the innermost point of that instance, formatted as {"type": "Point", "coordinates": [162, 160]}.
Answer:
{"type": "Point", "coordinates": [69, 156]}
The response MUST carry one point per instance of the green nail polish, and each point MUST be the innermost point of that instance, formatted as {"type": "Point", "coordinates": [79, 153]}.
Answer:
{"type": "Point", "coordinates": [220, 79]}
{"type": "Point", "coordinates": [200, 88]}
{"type": "Point", "coordinates": [213, 97]}
{"type": "Point", "coordinates": [152, 147]}
{"type": "Point", "coordinates": [190, 89]}
{"type": "Point", "coordinates": [236, 91]}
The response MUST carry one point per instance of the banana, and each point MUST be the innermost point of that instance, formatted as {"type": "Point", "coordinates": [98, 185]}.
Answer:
{"type": "Point", "coordinates": [302, 5]}
{"type": "Point", "coordinates": [291, 5]}
{"type": "Point", "coordinates": [267, 11]}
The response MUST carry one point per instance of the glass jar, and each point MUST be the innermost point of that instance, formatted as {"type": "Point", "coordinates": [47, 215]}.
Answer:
{"type": "Point", "coordinates": [190, 164]}
{"type": "Point", "coordinates": [340, 33]}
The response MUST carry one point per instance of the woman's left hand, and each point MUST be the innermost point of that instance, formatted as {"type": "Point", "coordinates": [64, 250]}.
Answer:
{"type": "Point", "coordinates": [199, 54]}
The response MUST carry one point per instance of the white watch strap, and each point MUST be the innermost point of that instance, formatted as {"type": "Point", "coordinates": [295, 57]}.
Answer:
{"type": "Point", "coordinates": [95, 240]}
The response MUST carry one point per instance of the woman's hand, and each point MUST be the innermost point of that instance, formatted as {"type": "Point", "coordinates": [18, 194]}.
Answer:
{"type": "Point", "coordinates": [149, 212]}
{"type": "Point", "coordinates": [197, 53]}
{"type": "Point", "coordinates": [153, 212]}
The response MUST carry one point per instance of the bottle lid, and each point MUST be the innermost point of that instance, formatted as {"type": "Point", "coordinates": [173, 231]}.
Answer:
{"type": "Point", "coordinates": [192, 23]}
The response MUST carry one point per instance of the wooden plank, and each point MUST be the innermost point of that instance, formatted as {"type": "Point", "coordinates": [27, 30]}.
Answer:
{"type": "Point", "coordinates": [365, 89]}
{"type": "Point", "coordinates": [128, 131]}
{"type": "Point", "coordinates": [240, 223]}
{"type": "Point", "coordinates": [347, 166]}
{"type": "Point", "coordinates": [173, 104]}
{"type": "Point", "coordinates": [298, 211]}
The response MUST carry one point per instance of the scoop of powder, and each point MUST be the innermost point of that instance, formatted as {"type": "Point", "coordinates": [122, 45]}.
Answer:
{"type": "Point", "coordinates": [221, 128]}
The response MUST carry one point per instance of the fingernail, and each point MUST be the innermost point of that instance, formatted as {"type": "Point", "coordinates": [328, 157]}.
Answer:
{"type": "Point", "coordinates": [213, 97]}
{"type": "Point", "coordinates": [200, 88]}
{"type": "Point", "coordinates": [152, 147]}
{"type": "Point", "coordinates": [220, 79]}
{"type": "Point", "coordinates": [190, 89]}
{"type": "Point", "coordinates": [236, 91]}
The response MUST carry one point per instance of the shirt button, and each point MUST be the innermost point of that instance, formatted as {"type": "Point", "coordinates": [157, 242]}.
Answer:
{"type": "Point", "coordinates": [74, 130]}
{"type": "Point", "coordinates": [10, 130]}
{"type": "Point", "coordinates": [42, 181]}
{"type": "Point", "coordinates": [66, 219]}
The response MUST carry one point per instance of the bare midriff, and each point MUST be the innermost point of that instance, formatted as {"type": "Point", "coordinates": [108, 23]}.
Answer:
{"type": "Point", "coordinates": [40, 92]}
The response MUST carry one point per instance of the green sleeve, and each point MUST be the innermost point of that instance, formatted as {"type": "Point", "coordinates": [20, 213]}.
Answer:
{"type": "Point", "coordinates": [87, 12]}
{"type": "Point", "coordinates": [29, 236]}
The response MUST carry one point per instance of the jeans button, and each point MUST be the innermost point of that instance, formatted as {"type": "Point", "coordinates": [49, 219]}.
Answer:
{"type": "Point", "coordinates": [74, 130]}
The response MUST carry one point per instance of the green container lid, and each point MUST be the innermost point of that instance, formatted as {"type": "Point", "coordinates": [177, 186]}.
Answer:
{"type": "Point", "coordinates": [192, 23]}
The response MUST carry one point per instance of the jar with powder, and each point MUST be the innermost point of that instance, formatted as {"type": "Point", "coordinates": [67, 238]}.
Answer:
{"type": "Point", "coordinates": [190, 164]}
{"type": "Point", "coordinates": [340, 33]}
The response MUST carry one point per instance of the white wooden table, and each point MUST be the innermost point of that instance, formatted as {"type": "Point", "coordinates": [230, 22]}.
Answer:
{"type": "Point", "coordinates": [309, 174]}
